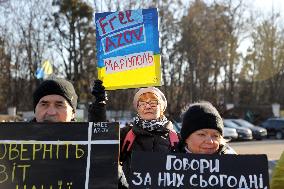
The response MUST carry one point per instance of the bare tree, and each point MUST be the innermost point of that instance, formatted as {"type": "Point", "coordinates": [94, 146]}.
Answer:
{"type": "Point", "coordinates": [265, 61]}
{"type": "Point", "coordinates": [26, 43]}
{"type": "Point", "coordinates": [75, 41]}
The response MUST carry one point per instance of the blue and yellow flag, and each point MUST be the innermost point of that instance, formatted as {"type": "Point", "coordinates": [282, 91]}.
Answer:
{"type": "Point", "coordinates": [45, 70]}
{"type": "Point", "coordinates": [128, 48]}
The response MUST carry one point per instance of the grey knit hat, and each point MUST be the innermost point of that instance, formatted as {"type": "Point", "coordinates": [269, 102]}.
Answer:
{"type": "Point", "coordinates": [56, 86]}
{"type": "Point", "coordinates": [161, 97]}
{"type": "Point", "coordinates": [201, 115]}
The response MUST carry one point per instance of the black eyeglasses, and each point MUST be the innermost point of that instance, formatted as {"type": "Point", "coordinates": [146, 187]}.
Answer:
{"type": "Point", "coordinates": [152, 103]}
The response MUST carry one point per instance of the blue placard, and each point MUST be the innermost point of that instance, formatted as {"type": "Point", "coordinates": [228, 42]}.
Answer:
{"type": "Point", "coordinates": [126, 32]}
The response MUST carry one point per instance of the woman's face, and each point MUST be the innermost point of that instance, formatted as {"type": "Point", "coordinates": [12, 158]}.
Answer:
{"type": "Point", "coordinates": [204, 141]}
{"type": "Point", "coordinates": [149, 107]}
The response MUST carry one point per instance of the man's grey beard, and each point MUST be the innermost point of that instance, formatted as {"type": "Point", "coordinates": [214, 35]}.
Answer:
{"type": "Point", "coordinates": [50, 119]}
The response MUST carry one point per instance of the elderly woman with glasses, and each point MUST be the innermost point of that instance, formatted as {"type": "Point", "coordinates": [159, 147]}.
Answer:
{"type": "Point", "coordinates": [202, 131]}
{"type": "Point", "coordinates": [150, 126]}
{"type": "Point", "coordinates": [150, 131]}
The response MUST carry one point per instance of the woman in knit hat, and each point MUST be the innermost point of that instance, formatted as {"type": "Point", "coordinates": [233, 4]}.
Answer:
{"type": "Point", "coordinates": [150, 104]}
{"type": "Point", "coordinates": [150, 127]}
{"type": "Point", "coordinates": [202, 131]}
{"type": "Point", "coordinates": [150, 131]}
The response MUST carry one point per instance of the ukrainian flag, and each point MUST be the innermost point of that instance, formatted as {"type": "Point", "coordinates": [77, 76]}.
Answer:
{"type": "Point", "coordinates": [44, 70]}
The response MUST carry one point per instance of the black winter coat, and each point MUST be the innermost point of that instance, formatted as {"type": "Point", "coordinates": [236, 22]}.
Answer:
{"type": "Point", "coordinates": [154, 141]}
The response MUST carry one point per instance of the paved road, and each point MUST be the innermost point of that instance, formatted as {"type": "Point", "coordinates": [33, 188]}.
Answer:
{"type": "Point", "coordinates": [272, 148]}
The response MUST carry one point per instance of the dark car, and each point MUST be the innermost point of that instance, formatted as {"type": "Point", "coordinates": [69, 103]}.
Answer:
{"type": "Point", "coordinates": [243, 133]}
{"type": "Point", "coordinates": [258, 133]}
{"type": "Point", "coordinates": [274, 127]}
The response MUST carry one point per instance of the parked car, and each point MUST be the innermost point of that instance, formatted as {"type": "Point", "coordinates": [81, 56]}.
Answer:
{"type": "Point", "coordinates": [258, 133]}
{"type": "Point", "coordinates": [124, 122]}
{"type": "Point", "coordinates": [230, 133]}
{"type": "Point", "coordinates": [274, 127]}
{"type": "Point", "coordinates": [243, 133]}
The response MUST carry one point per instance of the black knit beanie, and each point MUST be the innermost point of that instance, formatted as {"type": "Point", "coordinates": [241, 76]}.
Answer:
{"type": "Point", "coordinates": [56, 86]}
{"type": "Point", "coordinates": [201, 115]}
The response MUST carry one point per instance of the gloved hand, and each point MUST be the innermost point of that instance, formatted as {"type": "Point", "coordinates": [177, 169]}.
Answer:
{"type": "Point", "coordinates": [98, 91]}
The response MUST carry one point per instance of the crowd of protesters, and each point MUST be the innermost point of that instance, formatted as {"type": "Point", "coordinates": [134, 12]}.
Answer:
{"type": "Point", "coordinates": [55, 100]}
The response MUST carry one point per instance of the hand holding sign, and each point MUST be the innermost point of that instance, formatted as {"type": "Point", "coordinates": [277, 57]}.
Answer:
{"type": "Point", "coordinates": [98, 91]}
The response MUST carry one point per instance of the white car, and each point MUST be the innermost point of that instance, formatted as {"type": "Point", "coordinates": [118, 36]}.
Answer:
{"type": "Point", "coordinates": [230, 133]}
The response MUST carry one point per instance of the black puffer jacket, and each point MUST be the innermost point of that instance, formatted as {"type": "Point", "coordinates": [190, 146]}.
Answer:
{"type": "Point", "coordinates": [154, 141]}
